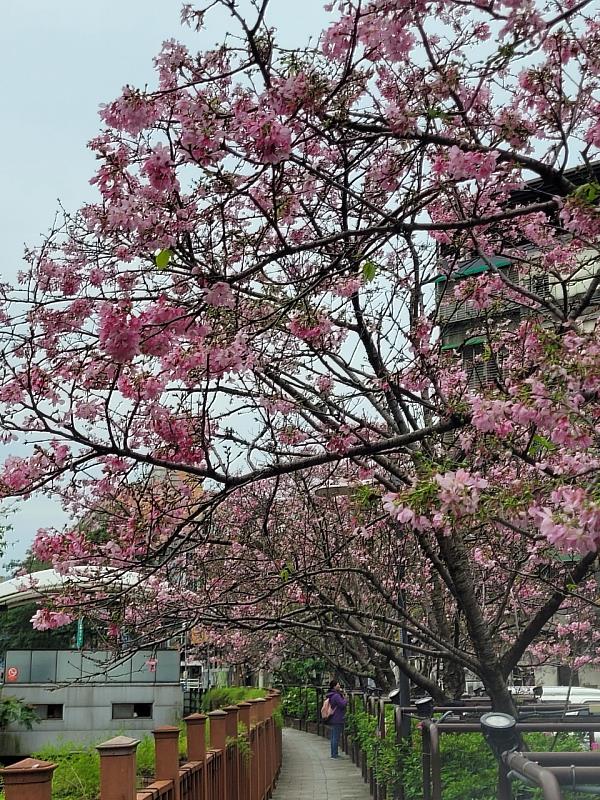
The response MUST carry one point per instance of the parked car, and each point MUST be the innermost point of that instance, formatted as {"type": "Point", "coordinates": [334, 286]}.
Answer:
{"type": "Point", "coordinates": [573, 695]}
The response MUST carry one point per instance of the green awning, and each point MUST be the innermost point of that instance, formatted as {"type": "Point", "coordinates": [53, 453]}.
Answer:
{"type": "Point", "coordinates": [458, 345]}
{"type": "Point", "coordinates": [475, 267]}
{"type": "Point", "coordinates": [476, 340]}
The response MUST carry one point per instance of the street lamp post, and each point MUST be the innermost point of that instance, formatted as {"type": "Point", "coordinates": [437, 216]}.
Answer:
{"type": "Point", "coordinates": [403, 681]}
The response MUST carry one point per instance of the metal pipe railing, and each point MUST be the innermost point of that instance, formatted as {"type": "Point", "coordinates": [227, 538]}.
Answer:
{"type": "Point", "coordinates": [432, 730]}
{"type": "Point", "coordinates": [540, 776]}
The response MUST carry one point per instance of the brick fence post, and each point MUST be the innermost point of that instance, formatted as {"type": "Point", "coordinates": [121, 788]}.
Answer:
{"type": "Point", "coordinates": [262, 746]}
{"type": "Point", "coordinates": [218, 741]}
{"type": "Point", "coordinates": [196, 736]}
{"type": "Point", "coordinates": [269, 754]}
{"type": "Point", "coordinates": [245, 710]}
{"type": "Point", "coordinates": [233, 766]}
{"type": "Point", "coordinates": [29, 779]}
{"type": "Point", "coordinates": [196, 748]}
{"type": "Point", "coordinates": [117, 768]}
{"type": "Point", "coordinates": [166, 743]}
{"type": "Point", "coordinates": [278, 728]}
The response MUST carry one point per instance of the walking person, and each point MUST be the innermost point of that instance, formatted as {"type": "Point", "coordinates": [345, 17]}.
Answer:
{"type": "Point", "coordinates": [338, 703]}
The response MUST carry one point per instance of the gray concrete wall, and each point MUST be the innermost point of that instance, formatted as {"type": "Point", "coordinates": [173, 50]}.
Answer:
{"type": "Point", "coordinates": [87, 713]}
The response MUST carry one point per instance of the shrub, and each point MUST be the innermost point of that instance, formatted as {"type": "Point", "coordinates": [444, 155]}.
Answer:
{"type": "Point", "coordinates": [77, 775]}
{"type": "Point", "coordinates": [229, 696]}
{"type": "Point", "coordinates": [14, 710]}
{"type": "Point", "coordinates": [469, 769]}
{"type": "Point", "coordinates": [300, 702]}
{"type": "Point", "coordinates": [145, 761]}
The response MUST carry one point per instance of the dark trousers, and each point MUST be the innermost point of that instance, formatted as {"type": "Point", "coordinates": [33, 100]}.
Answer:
{"type": "Point", "coordinates": [336, 732]}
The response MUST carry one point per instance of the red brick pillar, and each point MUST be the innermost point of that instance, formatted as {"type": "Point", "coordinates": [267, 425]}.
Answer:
{"type": "Point", "coordinates": [117, 768]}
{"type": "Point", "coordinates": [29, 779]}
{"type": "Point", "coordinates": [262, 746]}
{"type": "Point", "coordinates": [269, 742]}
{"type": "Point", "coordinates": [166, 743]}
{"type": "Point", "coordinates": [196, 749]}
{"type": "Point", "coordinates": [255, 764]}
{"type": "Point", "coordinates": [233, 754]}
{"type": "Point", "coordinates": [244, 716]}
{"type": "Point", "coordinates": [232, 721]}
{"type": "Point", "coordinates": [218, 741]}
{"type": "Point", "coordinates": [277, 729]}
{"type": "Point", "coordinates": [196, 736]}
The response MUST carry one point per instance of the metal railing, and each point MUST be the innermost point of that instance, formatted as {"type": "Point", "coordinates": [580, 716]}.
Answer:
{"type": "Point", "coordinates": [543, 771]}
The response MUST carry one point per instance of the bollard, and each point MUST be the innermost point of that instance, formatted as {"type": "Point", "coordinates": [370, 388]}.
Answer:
{"type": "Point", "coordinates": [117, 768]}
{"type": "Point", "coordinates": [166, 743]}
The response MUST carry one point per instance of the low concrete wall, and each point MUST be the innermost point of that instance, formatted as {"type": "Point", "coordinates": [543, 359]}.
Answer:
{"type": "Point", "coordinates": [87, 713]}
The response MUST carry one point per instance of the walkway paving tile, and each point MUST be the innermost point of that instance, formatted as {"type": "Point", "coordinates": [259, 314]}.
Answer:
{"type": "Point", "coordinates": [309, 773]}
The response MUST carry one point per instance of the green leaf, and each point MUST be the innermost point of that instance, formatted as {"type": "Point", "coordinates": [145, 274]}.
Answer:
{"type": "Point", "coordinates": [162, 259]}
{"type": "Point", "coordinates": [369, 270]}
{"type": "Point", "coordinates": [588, 192]}
{"type": "Point", "coordinates": [540, 444]}
{"type": "Point", "coordinates": [365, 495]}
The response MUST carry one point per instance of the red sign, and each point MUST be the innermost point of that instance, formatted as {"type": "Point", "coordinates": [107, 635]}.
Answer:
{"type": "Point", "coordinates": [12, 673]}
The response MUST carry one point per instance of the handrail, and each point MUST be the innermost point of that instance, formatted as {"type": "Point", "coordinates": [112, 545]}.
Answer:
{"type": "Point", "coordinates": [540, 776]}
{"type": "Point", "coordinates": [431, 731]}
{"type": "Point", "coordinates": [558, 765]}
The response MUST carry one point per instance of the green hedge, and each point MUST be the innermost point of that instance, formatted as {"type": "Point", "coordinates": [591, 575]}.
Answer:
{"type": "Point", "coordinates": [469, 770]}
{"type": "Point", "coordinates": [229, 696]}
{"type": "Point", "coordinates": [300, 702]}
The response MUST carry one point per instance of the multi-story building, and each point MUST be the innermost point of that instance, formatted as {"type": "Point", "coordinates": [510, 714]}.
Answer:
{"type": "Point", "coordinates": [461, 321]}
{"type": "Point", "coordinates": [463, 329]}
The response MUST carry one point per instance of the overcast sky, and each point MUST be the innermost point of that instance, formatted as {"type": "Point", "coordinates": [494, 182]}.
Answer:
{"type": "Point", "coordinates": [59, 60]}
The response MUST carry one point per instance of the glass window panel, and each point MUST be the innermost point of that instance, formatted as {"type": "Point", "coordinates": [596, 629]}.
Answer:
{"type": "Point", "coordinates": [143, 667]}
{"type": "Point", "coordinates": [17, 668]}
{"type": "Point", "coordinates": [68, 666]}
{"type": "Point", "coordinates": [43, 666]}
{"type": "Point", "coordinates": [167, 668]}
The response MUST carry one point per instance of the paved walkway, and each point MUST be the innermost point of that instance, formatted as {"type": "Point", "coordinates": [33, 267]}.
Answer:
{"type": "Point", "coordinates": [309, 773]}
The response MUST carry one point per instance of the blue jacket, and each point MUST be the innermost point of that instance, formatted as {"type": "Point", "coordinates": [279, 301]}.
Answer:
{"type": "Point", "coordinates": [338, 703]}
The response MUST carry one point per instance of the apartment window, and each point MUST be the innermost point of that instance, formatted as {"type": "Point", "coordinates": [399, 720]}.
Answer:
{"type": "Point", "coordinates": [49, 710]}
{"type": "Point", "coordinates": [132, 710]}
{"type": "Point", "coordinates": [540, 284]}
{"type": "Point", "coordinates": [567, 677]}
{"type": "Point", "coordinates": [479, 364]}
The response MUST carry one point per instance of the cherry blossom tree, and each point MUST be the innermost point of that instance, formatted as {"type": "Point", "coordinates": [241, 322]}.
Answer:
{"type": "Point", "coordinates": [258, 296]}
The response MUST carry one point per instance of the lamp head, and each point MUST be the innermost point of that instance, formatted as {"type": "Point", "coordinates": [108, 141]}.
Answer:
{"type": "Point", "coordinates": [394, 697]}
{"type": "Point", "coordinates": [424, 706]}
{"type": "Point", "coordinates": [499, 731]}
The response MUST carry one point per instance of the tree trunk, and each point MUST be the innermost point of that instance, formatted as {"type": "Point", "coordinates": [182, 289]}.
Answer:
{"type": "Point", "coordinates": [453, 680]}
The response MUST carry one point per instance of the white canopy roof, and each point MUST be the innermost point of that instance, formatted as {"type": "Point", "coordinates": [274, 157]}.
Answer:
{"type": "Point", "coordinates": [37, 585]}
